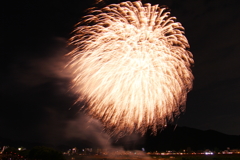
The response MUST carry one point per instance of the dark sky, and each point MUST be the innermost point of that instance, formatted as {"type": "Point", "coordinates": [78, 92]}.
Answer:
{"type": "Point", "coordinates": [37, 105]}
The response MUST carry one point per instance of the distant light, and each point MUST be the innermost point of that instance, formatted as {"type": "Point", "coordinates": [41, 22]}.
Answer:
{"type": "Point", "coordinates": [208, 153]}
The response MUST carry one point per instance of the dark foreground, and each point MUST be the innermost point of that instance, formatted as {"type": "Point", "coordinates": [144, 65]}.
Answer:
{"type": "Point", "coordinates": [157, 157]}
{"type": "Point", "coordinates": [143, 157]}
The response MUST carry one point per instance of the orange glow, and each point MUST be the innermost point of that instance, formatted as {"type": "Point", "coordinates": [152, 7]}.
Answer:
{"type": "Point", "coordinates": [132, 66]}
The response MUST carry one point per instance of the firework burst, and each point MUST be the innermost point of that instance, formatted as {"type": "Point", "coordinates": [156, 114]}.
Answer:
{"type": "Point", "coordinates": [131, 66]}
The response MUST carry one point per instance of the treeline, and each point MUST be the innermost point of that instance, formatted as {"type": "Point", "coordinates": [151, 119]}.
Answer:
{"type": "Point", "coordinates": [36, 153]}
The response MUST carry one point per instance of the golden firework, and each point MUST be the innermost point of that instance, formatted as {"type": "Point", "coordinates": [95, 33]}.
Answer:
{"type": "Point", "coordinates": [131, 66]}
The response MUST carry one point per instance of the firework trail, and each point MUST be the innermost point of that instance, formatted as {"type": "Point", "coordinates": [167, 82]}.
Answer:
{"type": "Point", "coordinates": [131, 66]}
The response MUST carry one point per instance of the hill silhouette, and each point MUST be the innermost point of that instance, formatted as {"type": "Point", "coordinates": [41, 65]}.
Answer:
{"type": "Point", "coordinates": [171, 138]}
{"type": "Point", "coordinates": [182, 138]}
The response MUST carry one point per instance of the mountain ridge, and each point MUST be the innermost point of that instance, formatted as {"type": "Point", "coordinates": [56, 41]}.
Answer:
{"type": "Point", "coordinates": [181, 138]}
{"type": "Point", "coordinates": [171, 138]}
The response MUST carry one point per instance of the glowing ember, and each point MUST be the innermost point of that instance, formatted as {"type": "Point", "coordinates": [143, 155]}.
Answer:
{"type": "Point", "coordinates": [131, 66]}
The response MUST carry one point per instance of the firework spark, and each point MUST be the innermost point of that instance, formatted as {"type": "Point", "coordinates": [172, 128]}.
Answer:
{"type": "Point", "coordinates": [131, 66]}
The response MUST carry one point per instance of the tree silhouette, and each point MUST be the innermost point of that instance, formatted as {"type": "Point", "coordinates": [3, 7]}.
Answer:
{"type": "Point", "coordinates": [45, 153]}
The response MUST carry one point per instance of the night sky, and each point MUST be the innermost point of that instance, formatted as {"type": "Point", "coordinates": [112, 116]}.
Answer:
{"type": "Point", "coordinates": [37, 104]}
